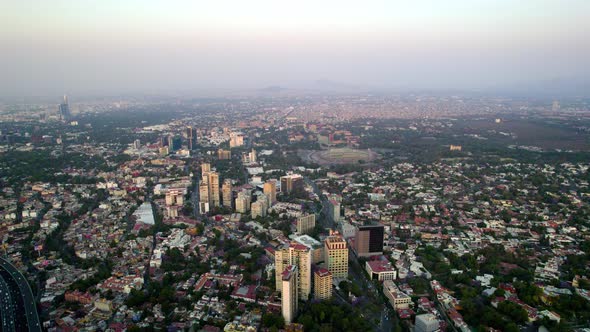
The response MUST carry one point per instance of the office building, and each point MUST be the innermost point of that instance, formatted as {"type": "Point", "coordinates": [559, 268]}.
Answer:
{"type": "Point", "coordinates": [369, 240]}
{"type": "Point", "coordinates": [270, 190]}
{"type": "Point", "coordinates": [306, 224]}
{"type": "Point", "coordinates": [322, 284]}
{"type": "Point", "coordinates": [137, 144]}
{"type": "Point", "coordinates": [226, 193]}
{"type": "Point", "coordinates": [174, 143]}
{"type": "Point", "coordinates": [289, 292]}
{"type": "Point", "coordinates": [298, 255]}
{"type": "Point", "coordinates": [316, 247]}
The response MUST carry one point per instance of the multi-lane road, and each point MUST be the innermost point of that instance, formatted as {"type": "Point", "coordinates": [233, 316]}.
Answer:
{"type": "Point", "coordinates": [17, 296]}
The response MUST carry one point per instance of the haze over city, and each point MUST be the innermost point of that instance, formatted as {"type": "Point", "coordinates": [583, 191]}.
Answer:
{"type": "Point", "coordinates": [114, 47]}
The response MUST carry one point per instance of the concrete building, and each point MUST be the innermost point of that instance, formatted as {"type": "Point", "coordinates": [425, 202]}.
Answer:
{"type": "Point", "coordinates": [289, 292]}
{"type": "Point", "coordinates": [174, 197]}
{"type": "Point", "coordinates": [306, 224]}
{"type": "Point", "coordinates": [322, 284]}
{"type": "Point", "coordinates": [426, 323]}
{"type": "Point", "coordinates": [369, 240]}
{"type": "Point", "coordinates": [300, 256]}
{"type": "Point", "coordinates": [336, 255]}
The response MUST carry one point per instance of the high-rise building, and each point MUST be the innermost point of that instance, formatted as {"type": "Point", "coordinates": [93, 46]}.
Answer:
{"type": "Point", "coordinates": [174, 143]}
{"type": "Point", "coordinates": [174, 197]}
{"type": "Point", "coordinates": [306, 224]}
{"type": "Point", "coordinates": [334, 210]}
{"type": "Point", "coordinates": [289, 292]}
{"type": "Point", "coordinates": [205, 167]}
{"type": "Point", "coordinates": [243, 202]}
{"type": "Point", "coordinates": [426, 323]}
{"type": "Point", "coordinates": [260, 207]}
{"type": "Point", "coordinates": [64, 110]}
{"type": "Point", "coordinates": [136, 144]}
{"type": "Point", "coordinates": [290, 183]}
{"type": "Point", "coordinates": [226, 193]}
{"type": "Point", "coordinates": [236, 139]}
{"type": "Point", "coordinates": [250, 157]}
{"type": "Point", "coordinates": [223, 154]}
{"type": "Point", "coordinates": [336, 252]}
{"type": "Point", "coordinates": [213, 182]}
{"type": "Point", "coordinates": [190, 137]}
{"type": "Point", "coordinates": [298, 255]}
{"type": "Point", "coordinates": [203, 197]}
{"type": "Point", "coordinates": [369, 240]}
{"type": "Point", "coordinates": [270, 190]}
{"type": "Point", "coordinates": [322, 284]}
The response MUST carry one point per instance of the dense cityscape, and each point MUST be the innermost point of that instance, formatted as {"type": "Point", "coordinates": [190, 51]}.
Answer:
{"type": "Point", "coordinates": [296, 213]}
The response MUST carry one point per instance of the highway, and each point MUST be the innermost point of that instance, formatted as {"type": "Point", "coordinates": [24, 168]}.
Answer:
{"type": "Point", "coordinates": [22, 296]}
{"type": "Point", "coordinates": [7, 306]}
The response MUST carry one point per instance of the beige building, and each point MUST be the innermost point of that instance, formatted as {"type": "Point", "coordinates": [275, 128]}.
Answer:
{"type": "Point", "coordinates": [223, 154]}
{"type": "Point", "coordinates": [305, 224]}
{"type": "Point", "coordinates": [322, 284]}
{"type": "Point", "coordinates": [243, 202]}
{"type": "Point", "coordinates": [298, 255]}
{"type": "Point", "coordinates": [336, 252]}
{"type": "Point", "coordinates": [226, 193]}
{"type": "Point", "coordinates": [205, 167]}
{"type": "Point", "coordinates": [397, 298]}
{"type": "Point", "coordinates": [211, 179]}
{"type": "Point", "coordinates": [270, 190]}
{"type": "Point", "coordinates": [289, 293]}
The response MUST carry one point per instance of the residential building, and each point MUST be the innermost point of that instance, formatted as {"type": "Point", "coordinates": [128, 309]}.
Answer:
{"type": "Point", "coordinates": [226, 193]}
{"type": "Point", "coordinates": [289, 292]}
{"type": "Point", "coordinates": [306, 224]}
{"type": "Point", "coordinates": [397, 298]}
{"type": "Point", "coordinates": [298, 255]}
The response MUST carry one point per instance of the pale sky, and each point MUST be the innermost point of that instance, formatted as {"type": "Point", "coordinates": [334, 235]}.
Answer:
{"type": "Point", "coordinates": [121, 46]}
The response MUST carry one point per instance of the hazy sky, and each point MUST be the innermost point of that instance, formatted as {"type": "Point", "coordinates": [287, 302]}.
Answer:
{"type": "Point", "coordinates": [54, 47]}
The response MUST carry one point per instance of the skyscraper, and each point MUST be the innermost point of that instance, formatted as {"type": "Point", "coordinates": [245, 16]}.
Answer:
{"type": "Point", "coordinates": [336, 255]}
{"type": "Point", "coordinates": [298, 255]}
{"type": "Point", "coordinates": [64, 110]}
{"type": "Point", "coordinates": [289, 292]}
